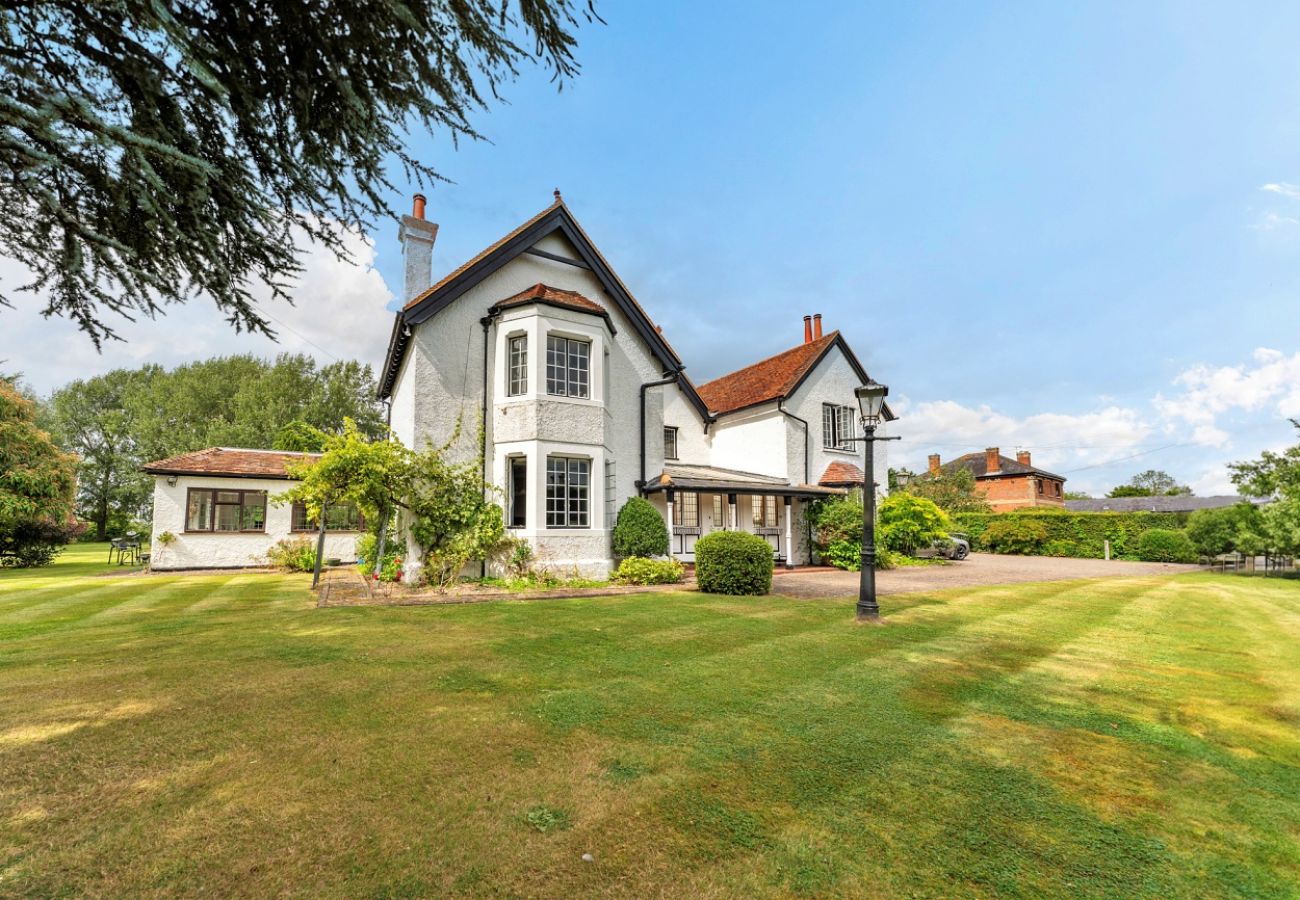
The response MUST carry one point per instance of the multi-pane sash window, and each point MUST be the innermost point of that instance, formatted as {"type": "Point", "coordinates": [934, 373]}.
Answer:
{"type": "Point", "coordinates": [718, 520]}
{"type": "Point", "coordinates": [517, 374]}
{"type": "Point", "coordinates": [338, 517]}
{"type": "Point", "coordinates": [568, 367]}
{"type": "Point", "coordinates": [568, 492]}
{"type": "Point", "coordinates": [208, 509]}
{"type": "Point", "coordinates": [765, 512]}
{"type": "Point", "coordinates": [838, 429]}
{"type": "Point", "coordinates": [518, 492]}
{"type": "Point", "coordinates": [686, 510]}
{"type": "Point", "coordinates": [670, 443]}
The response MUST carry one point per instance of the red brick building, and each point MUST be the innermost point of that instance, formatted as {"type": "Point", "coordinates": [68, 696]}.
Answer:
{"type": "Point", "coordinates": [1007, 483]}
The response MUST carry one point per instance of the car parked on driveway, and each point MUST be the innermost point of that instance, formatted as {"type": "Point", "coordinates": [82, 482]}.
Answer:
{"type": "Point", "coordinates": [955, 546]}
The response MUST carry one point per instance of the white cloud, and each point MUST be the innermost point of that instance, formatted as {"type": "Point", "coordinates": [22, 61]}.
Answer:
{"type": "Point", "coordinates": [1206, 393]}
{"type": "Point", "coordinates": [1285, 188]}
{"type": "Point", "coordinates": [1055, 440]}
{"type": "Point", "coordinates": [1271, 221]}
{"type": "Point", "coordinates": [339, 311]}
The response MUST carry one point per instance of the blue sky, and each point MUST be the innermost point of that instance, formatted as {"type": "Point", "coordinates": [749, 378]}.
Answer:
{"type": "Point", "coordinates": [1067, 227]}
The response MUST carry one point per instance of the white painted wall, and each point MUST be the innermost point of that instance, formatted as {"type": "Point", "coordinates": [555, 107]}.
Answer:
{"type": "Point", "coordinates": [754, 441]}
{"type": "Point", "coordinates": [694, 445]}
{"type": "Point", "coordinates": [447, 387]}
{"type": "Point", "coordinates": [210, 550]}
{"type": "Point", "coordinates": [834, 381]}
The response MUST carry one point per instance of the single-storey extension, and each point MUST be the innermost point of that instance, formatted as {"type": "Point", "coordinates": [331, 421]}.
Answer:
{"type": "Point", "coordinates": [219, 505]}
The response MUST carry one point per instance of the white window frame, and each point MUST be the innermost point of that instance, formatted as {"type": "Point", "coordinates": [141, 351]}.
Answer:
{"type": "Point", "coordinates": [517, 365]}
{"type": "Point", "coordinates": [568, 497]}
{"type": "Point", "coordinates": [670, 434]}
{"type": "Point", "coordinates": [839, 426]}
{"type": "Point", "coordinates": [571, 375]}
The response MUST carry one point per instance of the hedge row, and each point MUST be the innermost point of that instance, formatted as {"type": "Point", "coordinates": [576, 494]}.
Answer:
{"type": "Point", "coordinates": [1080, 534]}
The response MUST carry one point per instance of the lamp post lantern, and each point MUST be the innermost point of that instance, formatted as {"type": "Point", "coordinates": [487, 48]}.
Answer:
{"type": "Point", "coordinates": [871, 403]}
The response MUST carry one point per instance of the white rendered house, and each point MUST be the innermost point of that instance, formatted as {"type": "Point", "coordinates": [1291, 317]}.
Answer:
{"type": "Point", "coordinates": [581, 402]}
{"type": "Point", "coordinates": [219, 506]}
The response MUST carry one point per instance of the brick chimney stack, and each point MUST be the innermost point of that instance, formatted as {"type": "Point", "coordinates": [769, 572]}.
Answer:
{"type": "Point", "coordinates": [817, 327]}
{"type": "Point", "coordinates": [807, 329]}
{"type": "Point", "coordinates": [991, 463]}
{"type": "Point", "coordinates": [417, 237]}
{"type": "Point", "coordinates": [1022, 457]}
{"type": "Point", "coordinates": [934, 463]}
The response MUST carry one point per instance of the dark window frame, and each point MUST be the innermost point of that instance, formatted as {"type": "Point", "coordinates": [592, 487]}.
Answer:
{"type": "Point", "coordinates": [565, 378]}
{"type": "Point", "coordinates": [213, 503]}
{"type": "Point", "coordinates": [300, 524]}
{"type": "Point", "coordinates": [686, 510]}
{"type": "Point", "coordinates": [568, 498]}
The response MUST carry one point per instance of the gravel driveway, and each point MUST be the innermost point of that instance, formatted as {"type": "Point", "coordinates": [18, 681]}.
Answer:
{"type": "Point", "coordinates": [976, 569]}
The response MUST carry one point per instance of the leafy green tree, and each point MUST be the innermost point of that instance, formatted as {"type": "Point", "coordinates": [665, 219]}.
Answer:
{"type": "Point", "coordinates": [1275, 475]}
{"type": "Point", "coordinates": [118, 421]}
{"type": "Point", "coordinates": [95, 418]}
{"type": "Point", "coordinates": [1077, 495]}
{"type": "Point", "coordinates": [953, 492]}
{"type": "Point", "coordinates": [37, 486]}
{"type": "Point", "coordinates": [908, 523]}
{"type": "Point", "coordinates": [1151, 483]}
{"type": "Point", "coordinates": [155, 150]}
{"type": "Point", "coordinates": [1226, 529]}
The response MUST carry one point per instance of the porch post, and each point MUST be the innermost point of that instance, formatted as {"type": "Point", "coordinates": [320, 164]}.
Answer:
{"type": "Point", "coordinates": [669, 495]}
{"type": "Point", "coordinates": [789, 530]}
{"type": "Point", "coordinates": [734, 523]}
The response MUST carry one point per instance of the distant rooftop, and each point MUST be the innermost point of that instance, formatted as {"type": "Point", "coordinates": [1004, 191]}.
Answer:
{"type": "Point", "coordinates": [1175, 503]}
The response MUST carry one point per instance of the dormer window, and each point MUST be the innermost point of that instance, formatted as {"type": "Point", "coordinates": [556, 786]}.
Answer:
{"type": "Point", "coordinates": [568, 367]}
{"type": "Point", "coordinates": [517, 362]}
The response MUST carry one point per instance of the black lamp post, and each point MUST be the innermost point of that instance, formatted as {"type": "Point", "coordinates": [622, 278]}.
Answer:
{"type": "Point", "coordinates": [871, 402]}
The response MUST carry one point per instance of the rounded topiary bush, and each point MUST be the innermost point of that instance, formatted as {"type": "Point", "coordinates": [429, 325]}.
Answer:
{"type": "Point", "coordinates": [1164, 545]}
{"type": "Point", "coordinates": [640, 530]}
{"type": "Point", "coordinates": [1015, 535]}
{"type": "Point", "coordinates": [733, 562]}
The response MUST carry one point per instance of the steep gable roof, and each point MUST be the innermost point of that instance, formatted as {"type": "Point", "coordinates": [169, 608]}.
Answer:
{"type": "Point", "coordinates": [776, 377]}
{"type": "Point", "coordinates": [231, 461]}
{"type": "Point", "coordinates": [977, 465]}
{"type": "Point", "coordinates": [555, 218]}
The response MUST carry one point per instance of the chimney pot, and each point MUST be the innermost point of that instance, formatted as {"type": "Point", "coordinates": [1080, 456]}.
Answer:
{"type": "Point", "coordinates": [417, 209]}
{"type": "Point", "coordinates": [1022, 457]}
{"type": "Point", "coordinates": [991, 462]}
{"type": "Point", "coordinates": [807, 329]}
{"type": "Point", "coordinates": [817, 327]}
{"type": "Point", "coordinates": [934, 463]}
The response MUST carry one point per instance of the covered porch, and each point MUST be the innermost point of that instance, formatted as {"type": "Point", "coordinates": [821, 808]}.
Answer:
{"type": "Point", "coordinates": [697, 500]}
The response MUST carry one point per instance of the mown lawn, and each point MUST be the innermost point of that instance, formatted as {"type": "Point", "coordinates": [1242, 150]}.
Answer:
{"type": "Point", "coordinates": [220, 735]}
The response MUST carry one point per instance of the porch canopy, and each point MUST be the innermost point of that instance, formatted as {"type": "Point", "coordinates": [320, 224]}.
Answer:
{"type": "Point", "coordinates": [713, 480]}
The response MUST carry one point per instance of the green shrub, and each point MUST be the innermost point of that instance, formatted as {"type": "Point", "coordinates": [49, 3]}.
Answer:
{"type": "Point", "coordinates": [1088, 531]}
{"type": "Point", "coordinates": [1061, 548]}
{"type": "Point", "coordinates": [1018, 535]}
{"type": "Point", "coordinates": [733, 562]}
{"type": "Point", "coordinates": [293, 554]}
{"type": "Point", "coordinates": [908, 522]}
{"type": "Point", "coordinates": [366, 556]}
{"type": "Point", "coordinates": [1164, 545]}
{"type": "Point", "coordinates": [640, 570]}
{"type": "Point", "coordinates": [640, 530]}
{"type": "Point", "coordinates": [1223, 530]}
{"type": "Point", "coordinates": [844, 555]}
{"type": "Point", "coordinates": [836, 519]}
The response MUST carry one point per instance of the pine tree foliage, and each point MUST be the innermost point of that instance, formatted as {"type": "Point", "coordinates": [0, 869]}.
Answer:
{"type": "Point", "coordinates": [154, 150]}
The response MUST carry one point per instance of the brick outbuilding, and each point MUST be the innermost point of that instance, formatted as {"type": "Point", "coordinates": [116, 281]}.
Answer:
{"type": "Point", "coordinates": [1007, 483]}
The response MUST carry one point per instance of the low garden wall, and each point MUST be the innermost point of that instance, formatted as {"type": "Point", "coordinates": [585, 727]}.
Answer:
{"type": "Point", "coordinates": [1081, 535]}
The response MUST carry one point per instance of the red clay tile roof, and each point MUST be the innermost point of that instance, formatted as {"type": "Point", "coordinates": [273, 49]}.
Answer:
{"type": "Point", "coordinates": [772, 379]}
{"type": "Point", "coordinates": [543, 293]}
{"type": "Point", "coordinates": [232, 461]}
{"type": "Point", "coordinates": [840, 472]}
